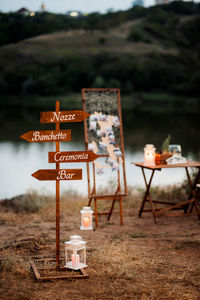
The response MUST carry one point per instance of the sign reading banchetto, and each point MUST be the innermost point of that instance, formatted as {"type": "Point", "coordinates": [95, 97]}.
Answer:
{"type": "Point", "coordinates": [72, 156]}
{"type": "Point", "coordinates": [47, 136]}
{"type": "Point", "coordinates": [63, 116]}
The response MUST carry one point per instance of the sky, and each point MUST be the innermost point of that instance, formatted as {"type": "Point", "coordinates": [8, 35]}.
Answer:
{"type": "Point", "coordinates": [62, 6]}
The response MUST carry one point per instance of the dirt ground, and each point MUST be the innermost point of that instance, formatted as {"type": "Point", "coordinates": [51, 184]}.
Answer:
{"type": "Point", "coordinates": [140, 260]}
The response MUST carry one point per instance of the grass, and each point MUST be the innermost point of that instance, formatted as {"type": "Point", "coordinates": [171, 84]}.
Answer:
{"type": "Point", "coordinates": [30, 202]}
{"type": "Point", "coordinates": [139, 260]}
{"type": "Point", "coordinates": [15, 265]}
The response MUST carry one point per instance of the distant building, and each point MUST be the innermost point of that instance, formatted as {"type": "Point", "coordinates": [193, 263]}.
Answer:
{"type": "Point", "coordinates": [138, 3]}
{"type": "Point", "coordinates": [158, 2]}
{"type": "Point", "coordinates": [75, 14]}
{"type": "Point", "coordinates": [43, 8]}
{"type": "Point", "coordinates": [25, 12]}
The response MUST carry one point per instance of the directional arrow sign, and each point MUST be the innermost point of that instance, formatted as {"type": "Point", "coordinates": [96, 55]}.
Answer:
{"type": "Point", "coordinates": [63, 116]}
{"type": "Point", "coordinates": [60, 174]}
{"type": "Point", "coordinates": [47, 136]}
{"type": "Point", "coordinates": [72, 156]}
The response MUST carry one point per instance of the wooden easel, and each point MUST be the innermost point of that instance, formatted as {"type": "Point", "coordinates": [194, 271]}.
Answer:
{"type": "Point", "coordinates": [121, 190]}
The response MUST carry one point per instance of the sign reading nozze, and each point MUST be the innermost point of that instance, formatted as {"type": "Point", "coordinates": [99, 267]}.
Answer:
{"type": "Point", "coordinates": [63, 116]}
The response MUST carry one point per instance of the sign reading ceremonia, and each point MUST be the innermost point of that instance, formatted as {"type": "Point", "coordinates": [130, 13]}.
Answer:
{"type": "Point", "coordinates": [72, 156]}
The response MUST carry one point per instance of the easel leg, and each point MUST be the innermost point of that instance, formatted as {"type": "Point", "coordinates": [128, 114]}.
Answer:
{"type": "Point", "coordinates": [121, 211]}
{"type": "Point", "coordinates": [89, 202]}
{"type": "Point", "coordinates": [111, 209]}
{"type": "Point", "coordinates": [96, 213]}
{"type": "Point", "coordinates": [192, 189]}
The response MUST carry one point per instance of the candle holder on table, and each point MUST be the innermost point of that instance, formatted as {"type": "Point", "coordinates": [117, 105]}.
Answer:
{"type": "Point", "coordinates": [149, 155]}
{"type": "Point", "coordinates": [86, 218]}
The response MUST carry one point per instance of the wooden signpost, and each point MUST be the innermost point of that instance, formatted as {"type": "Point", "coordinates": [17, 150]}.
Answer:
{"type": "Point", "coordinates": [58, 157]}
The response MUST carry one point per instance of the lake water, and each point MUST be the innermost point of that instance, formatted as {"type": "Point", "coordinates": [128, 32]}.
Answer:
{"type": "Point", "coordinates": [19, 159]}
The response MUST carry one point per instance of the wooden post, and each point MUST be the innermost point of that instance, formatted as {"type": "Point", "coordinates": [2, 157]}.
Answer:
{"type": "Point", "coordinates": [57, 199]}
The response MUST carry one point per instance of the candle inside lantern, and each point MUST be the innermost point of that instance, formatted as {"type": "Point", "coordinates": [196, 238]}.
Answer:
{"type": "Point", "coordinates": [149, 155]}
{"type": "Point", "coordinates": [86, 222]}
{"type": "Point", "coordinates": [75, 260]}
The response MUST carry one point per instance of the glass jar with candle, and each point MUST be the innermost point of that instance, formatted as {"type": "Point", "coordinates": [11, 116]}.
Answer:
{"type": "Point", "coordinates": [149, 155]}
{"type": "Point", "coordinates": [86, 218]}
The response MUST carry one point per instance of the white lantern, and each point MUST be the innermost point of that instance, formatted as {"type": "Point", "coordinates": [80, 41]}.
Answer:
{"type": "Point", "coordinates": [86, 218]}
{"type": "Point", "coordinates": [149, 155]}
{"type": "Point", "coordinates": [75, 253]}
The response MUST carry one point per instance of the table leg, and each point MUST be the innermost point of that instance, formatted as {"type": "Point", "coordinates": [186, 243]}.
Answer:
{"type": "Point", "coordinates": [192, 189]}
{"type": "Point", "coordinates": [147, 195]}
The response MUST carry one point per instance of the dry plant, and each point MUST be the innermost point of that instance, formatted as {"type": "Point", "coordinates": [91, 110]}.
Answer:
{"type": "Point", "coordinates": [138, 261]}
{"type": "Point", "coordinates": [173, 193]}
{"type": "Point", "coordinates": [29, 203]}
{"type": "Point", "coordinates": [14, 264]}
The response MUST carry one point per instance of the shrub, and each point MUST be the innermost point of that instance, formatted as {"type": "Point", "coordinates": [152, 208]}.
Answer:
{"type": "Point", "coordinates": [99, 82]}
{"type": "Point", "coordinates": [102, 40]}
{"type": "Point", "coordinates": [14, 264]}
{"type": "Point", "coordinates": [29, 202]}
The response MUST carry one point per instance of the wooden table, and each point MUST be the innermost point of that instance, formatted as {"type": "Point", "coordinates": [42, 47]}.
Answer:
{"type": "Point", "coordinates": [187, 206]}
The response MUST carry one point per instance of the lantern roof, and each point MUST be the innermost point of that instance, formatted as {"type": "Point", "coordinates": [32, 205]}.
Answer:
{"type": "Point", "coordinates": [86, 209]}
{"type": "Point", "coordinates": [75, 240]}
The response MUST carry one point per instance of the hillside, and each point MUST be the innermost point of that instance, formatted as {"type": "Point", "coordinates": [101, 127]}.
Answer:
{"type": "Point", "coordinates": [140, 50]}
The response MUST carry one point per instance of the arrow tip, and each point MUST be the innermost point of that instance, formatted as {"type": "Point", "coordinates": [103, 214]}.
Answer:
{"type": "Point", "coordinates": [35, 174]}
{"type": "Point", "coordinates": [86, 114]}
{"type": "Point", "coordinates": [22, 136]}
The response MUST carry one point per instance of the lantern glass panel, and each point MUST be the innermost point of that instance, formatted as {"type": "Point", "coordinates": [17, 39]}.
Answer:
{"type": "Point", "coordinates": [149, 155]}
{"type": "Point", "coordinates": [75, 253]}
{"type": "Point", "coordinates": [86, 218]}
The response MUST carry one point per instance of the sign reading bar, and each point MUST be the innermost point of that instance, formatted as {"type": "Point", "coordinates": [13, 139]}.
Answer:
{"type": "Point", "coordinates": [58, 174]}
{"type": "Point", "coordinates": [63, 116]}
{"type": "Point", "coordinates": [47, 136]}
{"type": "Point", "coordinates": [72, 156]}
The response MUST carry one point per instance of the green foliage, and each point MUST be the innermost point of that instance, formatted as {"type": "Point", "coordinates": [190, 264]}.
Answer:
{"type": "Point", "coordinates": [102, 40]}
{"type": "Point", "coordinates": [98, 82]}
{"type": "Point", "coordinates": [165, 144]}
{"type": "Point", "coordinates": [175, 25]}
{"type": "Point", "coordinates": [138, 35]}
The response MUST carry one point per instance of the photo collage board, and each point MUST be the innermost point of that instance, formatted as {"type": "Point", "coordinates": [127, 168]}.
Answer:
{"type": "Point", "coordinates": [104, 127]}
